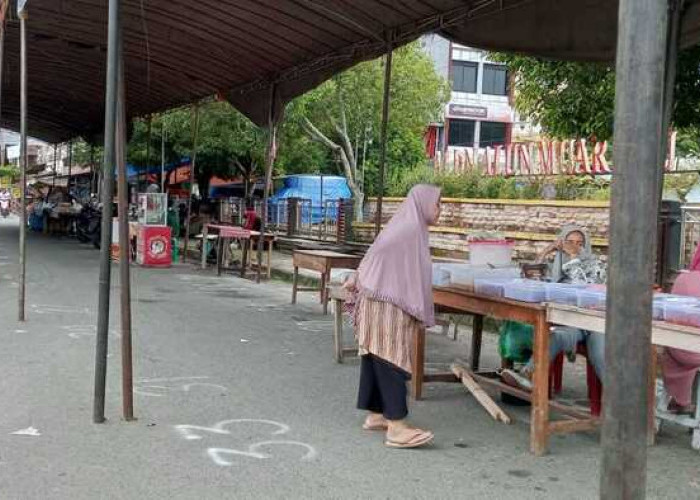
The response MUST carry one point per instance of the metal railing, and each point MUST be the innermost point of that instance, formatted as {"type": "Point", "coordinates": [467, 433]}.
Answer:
{"type": "Point", "coordinates": [690, 233]}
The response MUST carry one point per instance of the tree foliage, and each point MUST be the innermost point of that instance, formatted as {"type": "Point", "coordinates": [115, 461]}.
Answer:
{"type": "Point", "coordinates": [344, 115]}
{"type": "Point", "coordinates": [572, 100]}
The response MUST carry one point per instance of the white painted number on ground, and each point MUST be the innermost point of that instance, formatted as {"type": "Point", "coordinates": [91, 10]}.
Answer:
{"type": "Point", "coordinates": [259, 450]}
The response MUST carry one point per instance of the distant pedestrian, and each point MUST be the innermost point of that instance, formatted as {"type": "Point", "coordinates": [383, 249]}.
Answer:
{"type": "Point", "coordinates": [393, 288]}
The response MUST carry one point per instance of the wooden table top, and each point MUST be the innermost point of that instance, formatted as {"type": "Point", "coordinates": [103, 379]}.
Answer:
{"type": "Point", "coordinates": [328, 254]}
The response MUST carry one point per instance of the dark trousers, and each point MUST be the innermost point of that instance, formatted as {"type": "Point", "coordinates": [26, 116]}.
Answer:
{"type": "Point", "coordinates": [382, 388]}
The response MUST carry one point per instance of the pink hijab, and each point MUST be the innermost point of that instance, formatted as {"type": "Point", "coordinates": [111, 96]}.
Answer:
{"type": "Point", "coordinates": [398, 267]}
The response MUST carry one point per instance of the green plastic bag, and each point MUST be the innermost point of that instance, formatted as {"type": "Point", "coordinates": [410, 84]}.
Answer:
{"type": "Point", "coordinates": [515, 341]}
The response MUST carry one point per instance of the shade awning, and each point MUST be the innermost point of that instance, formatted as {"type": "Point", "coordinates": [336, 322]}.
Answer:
{"type": "Point", "coordinates": [177, 51]}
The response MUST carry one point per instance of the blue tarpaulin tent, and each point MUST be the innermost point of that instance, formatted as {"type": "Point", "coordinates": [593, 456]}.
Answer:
{"type": "Point", "coordinates": [308, 187]}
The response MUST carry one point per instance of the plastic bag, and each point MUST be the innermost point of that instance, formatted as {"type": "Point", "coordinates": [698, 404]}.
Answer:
{"type": "Point", "coordinates": [515, 341]}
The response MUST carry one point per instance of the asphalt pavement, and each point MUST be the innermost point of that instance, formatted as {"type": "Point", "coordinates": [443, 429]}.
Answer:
{"type": "Point", "coordinates": [237, 396]}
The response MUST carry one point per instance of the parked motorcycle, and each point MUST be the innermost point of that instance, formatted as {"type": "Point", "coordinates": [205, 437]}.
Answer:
{"type": "Point", "coordinates": [88, 226]}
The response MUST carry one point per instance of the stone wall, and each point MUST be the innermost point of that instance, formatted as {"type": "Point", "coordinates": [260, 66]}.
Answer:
{"type": "Point", "coordinates": [532, 224]}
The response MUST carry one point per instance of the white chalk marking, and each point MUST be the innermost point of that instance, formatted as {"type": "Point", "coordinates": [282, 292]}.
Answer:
{"type": "Point", "coordinates": [172, 379]}
{"type": "Point", "coordinates": [220, 428]}
{"type": "Point", "coordinates": [187, 387]}
{"type": "Point", "coordinates": [253, 451]}
{"type": "Point", "coordinates": [29, 431]}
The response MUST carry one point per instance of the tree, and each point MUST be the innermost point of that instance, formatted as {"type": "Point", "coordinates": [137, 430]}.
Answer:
{"type": "Point", "coordinates": [228, 144]}
{"type": "Point", "coordinates": [577, 100]}
{"type": "Point", "coordinates": [344, 115]}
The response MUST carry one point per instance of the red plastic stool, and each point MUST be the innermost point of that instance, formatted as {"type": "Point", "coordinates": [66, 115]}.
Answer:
{"type": "Point", "coordinates": [595, 386]}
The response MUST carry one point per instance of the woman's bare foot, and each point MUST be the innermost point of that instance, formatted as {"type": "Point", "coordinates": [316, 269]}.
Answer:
{"type": "Point", "coordinates": [402, 435]}
{"type": "Point", "coordinates": [375, 422]}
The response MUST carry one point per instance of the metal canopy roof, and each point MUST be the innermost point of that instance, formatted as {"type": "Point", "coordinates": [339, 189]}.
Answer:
{"type": "Point", "coordinates": [178, 51]}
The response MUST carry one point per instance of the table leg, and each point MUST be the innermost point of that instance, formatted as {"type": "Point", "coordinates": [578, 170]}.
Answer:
{"type": "Point", "coordinates": [477, 331]}
{"type": "Point", "coordinates": [244, 256]}
{"type": "Point", "coordinates": [338, 330]}
{"type": "Point", "coordinates": [539, 427]}
{"type": "Point", "coordinates": [418, 365]}
{"type": "Point", "coordinates": [269, 260]}
{"type": "Point", "coordinates": [205, 239]}
{"type": "Point", "coordinates": [324, 292]}
{"type": "Point", "coordinates": [295, 284]}
{"type": "Point", "coordinates": [651, 405]}
{"type": "Point", "coordinates": [219, 254]}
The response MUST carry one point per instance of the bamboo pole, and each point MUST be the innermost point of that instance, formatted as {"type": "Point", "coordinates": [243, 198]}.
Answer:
{"type": "Point", "coordinates": [639, 99]}
{"type": "Point", "coordinates": [142, 187]}
{"type": "Point", "coordinates": [382, 150]}
{"type": "Point", "coordinates": [193, 163]}
{"type": "Point", "coordinates": [113, 37]}
{"type": "Point", "coordinates": [22, 13]}
{"type": "Point", "coordinates": [124, 249]}
{"type": "Point", "coordinates": [270, 163]}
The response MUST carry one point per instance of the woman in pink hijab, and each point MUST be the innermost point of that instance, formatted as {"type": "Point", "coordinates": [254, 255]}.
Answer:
{"type": "Point", "coordinates": [394, 302]}
{"type": "Point", "coordinates": [680, 367]}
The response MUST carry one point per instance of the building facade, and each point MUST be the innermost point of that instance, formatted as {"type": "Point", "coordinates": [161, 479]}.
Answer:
{"type": "Point", "coordinates": [480, 113]}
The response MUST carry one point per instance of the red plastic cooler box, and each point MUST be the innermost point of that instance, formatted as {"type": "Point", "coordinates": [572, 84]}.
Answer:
{"type": "Point", "coordinates": [153, 247]}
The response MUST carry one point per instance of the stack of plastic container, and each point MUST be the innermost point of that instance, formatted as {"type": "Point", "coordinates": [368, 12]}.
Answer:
{"type": "Point", "coordinates": [526, 291]}
{"type": "Point", "coordinates": [591, 298]}
{"type": "Point", "coordinates": [678, 309]}
{"type": "Point", "coordinates": [562, 293]}
{"type": "Point", "coordinates": [492, 287]}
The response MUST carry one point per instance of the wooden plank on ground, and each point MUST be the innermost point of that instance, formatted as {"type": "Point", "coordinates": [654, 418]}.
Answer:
{"type": "Point", "coordinates": [481, 396]}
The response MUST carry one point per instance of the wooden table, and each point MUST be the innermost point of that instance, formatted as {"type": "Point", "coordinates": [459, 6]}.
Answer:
{"type": "Point", "coordinates": [321, 261]}
{"type": "Point", "coordinates": [662, 334]}
{"type": "Point", "coordinates": [247, 238]}
{"type": "Point", "coordinates": [460, 300]}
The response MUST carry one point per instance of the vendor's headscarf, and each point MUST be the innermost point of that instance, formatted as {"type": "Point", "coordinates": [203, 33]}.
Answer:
{"type": "Point", "coordinates": [398, 267]}
{"type": "Point", "coordinates": [561, 257]}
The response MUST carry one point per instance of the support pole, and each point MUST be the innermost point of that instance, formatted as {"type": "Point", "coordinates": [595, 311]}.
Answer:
{"type": "Point", "coordinates": [3, 16]}
{"type": "Point", "coordinates": [55, 166]}
{"type": "Point", "coordinates": [270, 163]}
{"type": "Point", "coordinates": [92, 169]}
{"type": "Point", "coordinates": [23, 166]}
{"type": "Point", "coordinates": [382, 148]}
{"type": "Point", "coordinates": [639, 98]}
{"type": "Point", "coordinates": [124, 249]}
{"type": "Point", "coordinates": [70, 164]}
{"type": "Point", "coordinates": [193, 163]}
{"type": "Point", "coordinates": [142, 188]}
{"type": "Point", "coordinates": [162, 157]}
{"type": "Point", "coordinates": [113, 37]}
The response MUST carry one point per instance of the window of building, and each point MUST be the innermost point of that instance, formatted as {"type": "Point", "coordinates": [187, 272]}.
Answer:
{"type": "Point", "coordinates": [495, 80]}
{"type": "Point", "coordinates": [461, 133]}
{"type": "Point", "coordinates": [464, 76]}
{"type": "Point", "coordinates": [492, 133]}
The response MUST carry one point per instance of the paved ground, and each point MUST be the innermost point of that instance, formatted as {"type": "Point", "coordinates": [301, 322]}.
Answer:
{"type": "Point", "coordinates": [211, 350]}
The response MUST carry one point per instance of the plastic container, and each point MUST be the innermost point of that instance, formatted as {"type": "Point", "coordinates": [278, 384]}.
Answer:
{"type": "Point", "coordinates": [682, 314]}
{"type": "Point", "coordinates": [669, 307]}
{"type": "Point", "coordinates": [591, 298]}
{"type": "Point", "coordinates": [491, 287]}
{"type": "Point", "coordinates": [466, 276]}
{"type": "Point", "coordinates": [525, 291]}
{"type": "Point", "coordinates": [562, 293]}
{"type": "Point", "coordinates": [497, 253]}
{"type": "Point", "coordinates": [441, 276]}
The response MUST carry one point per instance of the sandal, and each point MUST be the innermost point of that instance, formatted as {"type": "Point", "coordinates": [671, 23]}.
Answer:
{"type": "Point", "coordinates": [676, 409]}
{"type": "Point", "coordinates": [417, 438]}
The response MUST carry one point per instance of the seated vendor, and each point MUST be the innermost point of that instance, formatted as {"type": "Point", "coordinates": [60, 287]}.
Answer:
{"type": "Point", "coordinates": [681, 367]}
{"type": "Point", "coordinates": [570, 260]}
